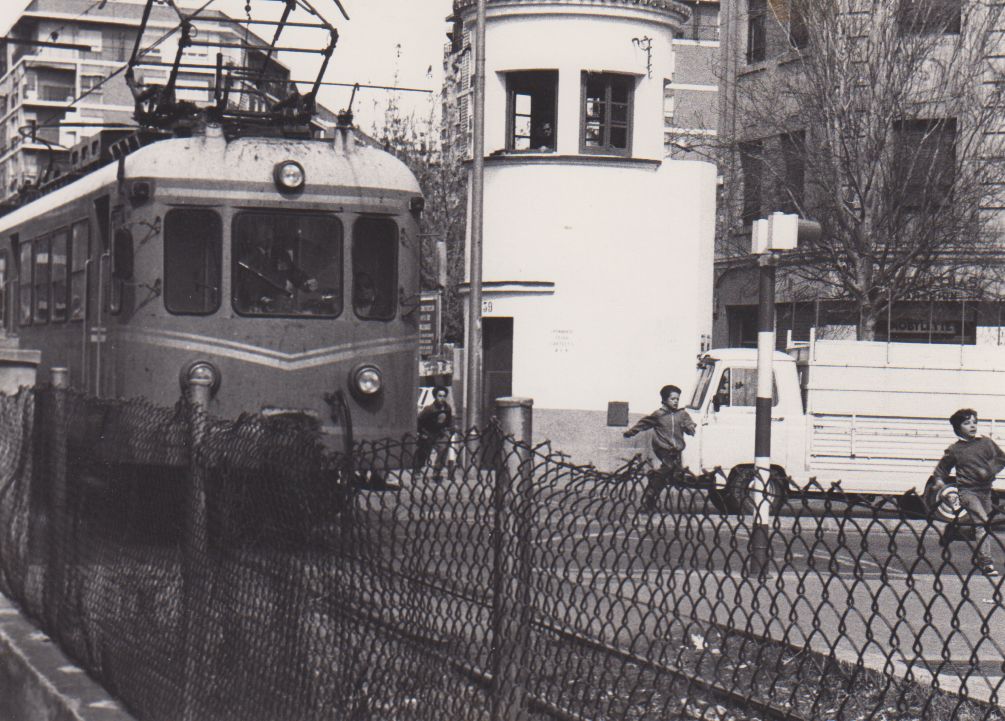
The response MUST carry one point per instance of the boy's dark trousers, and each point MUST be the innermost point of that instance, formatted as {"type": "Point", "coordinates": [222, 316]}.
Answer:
{"type": "Point", "coordinates": [661, 478]}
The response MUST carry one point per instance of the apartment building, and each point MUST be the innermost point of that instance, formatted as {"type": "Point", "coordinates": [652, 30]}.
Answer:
{"type": "Point", "coordinates": [691, 94]}
{"type": "Point", "coordinates": [918, 124]}
{"type": "Point", "coordinates": [51, 98]}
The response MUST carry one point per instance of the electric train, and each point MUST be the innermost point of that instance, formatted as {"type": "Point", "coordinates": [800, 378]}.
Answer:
{"type": "Point", "coordinates": [281, 269]}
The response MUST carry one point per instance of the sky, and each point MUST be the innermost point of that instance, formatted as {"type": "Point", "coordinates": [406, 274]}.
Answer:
{"type": "Point", "coordinates": [367, 49]}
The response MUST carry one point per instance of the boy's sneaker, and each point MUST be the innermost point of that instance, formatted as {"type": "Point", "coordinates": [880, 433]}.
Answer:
{"type": "Point", "coordinates": [989, 570]}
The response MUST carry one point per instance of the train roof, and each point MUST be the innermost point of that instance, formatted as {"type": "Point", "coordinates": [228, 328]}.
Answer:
{"type": "Point", "coordinates": [347, 162]}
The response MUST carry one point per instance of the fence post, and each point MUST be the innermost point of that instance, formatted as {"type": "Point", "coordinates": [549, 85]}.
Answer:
{"type": "Point", "coordinates": [512, 560]}
{"type": "Point", "coordinates": [195, 544]}
{"type": "Point", "coordinates": [55, 576]}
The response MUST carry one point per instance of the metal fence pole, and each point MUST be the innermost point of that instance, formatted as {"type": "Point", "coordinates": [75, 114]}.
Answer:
{"type": "Point", "coordinates": [55, 576]}
{"type": "Point", "coordinates": [512, 561]}
{"type": "Point", "coordinates": [194, 547]}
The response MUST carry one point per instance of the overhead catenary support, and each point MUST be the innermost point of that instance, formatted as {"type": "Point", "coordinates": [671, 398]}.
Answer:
{"type": "Point", "coordinates": [473, 393]}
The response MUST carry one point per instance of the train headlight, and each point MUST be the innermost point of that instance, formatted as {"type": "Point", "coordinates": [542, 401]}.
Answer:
{"type": "Point", "coordinates": [200, 372]}
{"type": "Point", "coordinates": [289, 176]}
{"type": "Point", "coordinates": [367, 380]}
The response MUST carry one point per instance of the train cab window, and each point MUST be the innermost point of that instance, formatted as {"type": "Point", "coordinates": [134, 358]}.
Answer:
{"type": "Point", "coordinates": [375, 268]}
{"type": "Point", "coordinates": [24, 285]}
{"type": "Point", "coordinates": [58, 269]}
{"type": "Point", "coordinates": [42, 275]}
{"type": "Point", "coordinates": [80, 250]}
{"type": "Point", "coordinates": [193, 238]}
{"type": "Point", "coordinates": [287, 264]}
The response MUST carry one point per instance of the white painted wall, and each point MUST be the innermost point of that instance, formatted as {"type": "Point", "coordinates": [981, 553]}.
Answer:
{"type": "Point", "coordinates": [630, 253]}
{"type": "Point", "coordinates": [628, 244]}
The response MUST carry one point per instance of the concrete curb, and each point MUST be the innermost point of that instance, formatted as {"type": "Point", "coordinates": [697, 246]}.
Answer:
{"type": "Point", "coordinates": [38, 682]}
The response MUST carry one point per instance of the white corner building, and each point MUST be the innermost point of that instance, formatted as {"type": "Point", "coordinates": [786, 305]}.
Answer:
{"type": "Point", "coordinates": [598, 250]}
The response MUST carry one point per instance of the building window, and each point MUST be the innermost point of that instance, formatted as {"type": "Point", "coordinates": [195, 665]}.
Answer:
{"type": "Point", "coordinates": [929, 17]}
{"type": "Point", "coordinates": [926, 161]}
{"type": "Point", "coordinates": [799, 34]}
{"type": "Point", "coordinates": [752, 165]}
{"type": "Point", "coordinates": [793, 152]}
{"type": "Point", "coordinates": [60, 241]}
{"type": "Point", "coordinates": [80, 242]}
{"type": "Point", "coordinates": [90, 82]}
{"type": "Point", "coordinates": [531, 103]}
{"type": "Point", "coordinates": [757, 15]}
{"type": "Point", "coordinates": [193, 238]}
{"type": "Point", "coordinates": [607, 113]}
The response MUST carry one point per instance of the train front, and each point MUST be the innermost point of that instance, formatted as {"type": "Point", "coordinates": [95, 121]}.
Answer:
{"type": "Point", "coordinates": [287, 273]}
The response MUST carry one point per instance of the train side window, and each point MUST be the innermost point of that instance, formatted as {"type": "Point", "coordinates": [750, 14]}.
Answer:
{"type": "Point", "coordinates": [193, 238]}
{"type": "Point", "coordinates": [60, 241]}
{"type": "Point", "coordinates": [24, 284]}
{"type": "Point", "coordinates": [375, 268]}
{"type": "Point", "coordinates": [80, 251]}
{"type": "Point", "coordinates": [42, 275]}
{"type": "Point", "coordinates": [287, 264]}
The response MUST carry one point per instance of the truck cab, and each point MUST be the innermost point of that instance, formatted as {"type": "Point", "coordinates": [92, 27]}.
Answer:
{"type": "Point", "coordinates": [871, 417]}
{"type": "Point", "coordinates": [723, 408]}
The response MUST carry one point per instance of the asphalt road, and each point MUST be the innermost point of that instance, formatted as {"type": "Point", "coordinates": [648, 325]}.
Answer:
{"type": "Point", "coordinates": [864, 586]}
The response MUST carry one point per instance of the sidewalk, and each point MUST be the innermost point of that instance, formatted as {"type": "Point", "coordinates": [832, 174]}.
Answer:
{"type": "Point", "coordinates": [38, 683]}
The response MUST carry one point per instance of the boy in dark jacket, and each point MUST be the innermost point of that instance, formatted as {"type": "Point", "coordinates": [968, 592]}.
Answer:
{"type": "Point", "coordinates": [436, 427]}
{"type": "Point", "coordinates": [977, 460]}
{"type": "Point", "coordinates": [669, 424]}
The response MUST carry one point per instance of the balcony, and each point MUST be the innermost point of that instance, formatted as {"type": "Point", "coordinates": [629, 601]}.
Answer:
{"type": "Point", "coordinates": [50, 94]}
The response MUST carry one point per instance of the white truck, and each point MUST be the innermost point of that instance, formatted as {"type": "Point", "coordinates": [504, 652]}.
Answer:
{"type": "Point", "coordinates": [871, 417]}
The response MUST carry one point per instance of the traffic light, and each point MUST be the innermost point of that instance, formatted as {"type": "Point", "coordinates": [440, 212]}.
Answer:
{"type": "Point", "coordinates": [782, 231]}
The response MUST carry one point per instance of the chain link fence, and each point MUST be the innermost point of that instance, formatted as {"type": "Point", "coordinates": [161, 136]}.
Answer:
{"type": "Point", "coordinates": [210, 569]}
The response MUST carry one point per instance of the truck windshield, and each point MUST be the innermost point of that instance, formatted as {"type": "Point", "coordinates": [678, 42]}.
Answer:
{"type": "Point", "coordinates": [701, 387]}
{"type": "Point", "coordinates": [287, 264]}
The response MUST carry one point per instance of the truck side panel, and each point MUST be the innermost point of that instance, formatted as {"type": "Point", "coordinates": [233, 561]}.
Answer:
{"type": "Point", "coordinates": [890, 454]}
{"type": "Point", "coordinates": [906, 392]}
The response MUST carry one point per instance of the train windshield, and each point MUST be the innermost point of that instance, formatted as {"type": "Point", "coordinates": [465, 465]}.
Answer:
{"type": "Point", "coordinates": [287, 264]}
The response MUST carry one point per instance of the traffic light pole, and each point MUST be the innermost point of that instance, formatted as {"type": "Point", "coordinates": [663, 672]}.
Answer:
{"type": "Point", "coordinates": [781, 231]}
{"type": "Point", "coordinates": [760, 484]}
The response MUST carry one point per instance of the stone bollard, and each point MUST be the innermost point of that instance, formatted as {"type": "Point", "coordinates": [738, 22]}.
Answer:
{"type": "Point", "coordinates": [512, 559]}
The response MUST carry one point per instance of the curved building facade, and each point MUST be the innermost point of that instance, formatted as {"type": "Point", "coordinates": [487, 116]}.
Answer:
{"type": "Point", "coordinates": [598, 251]}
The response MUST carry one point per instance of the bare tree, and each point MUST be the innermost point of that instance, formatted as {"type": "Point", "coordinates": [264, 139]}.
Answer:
{"type": "Point", "coordinates": [884, 120]}
{"type": "Point", "coordinates": [443, 179]}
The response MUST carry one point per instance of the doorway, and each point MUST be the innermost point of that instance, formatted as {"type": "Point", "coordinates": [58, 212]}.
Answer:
{"type": "Point", "coordinates": [497, 356]}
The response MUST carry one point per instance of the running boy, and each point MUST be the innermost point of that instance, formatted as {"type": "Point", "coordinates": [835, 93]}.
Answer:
{"type": "Point", "coordinates": [669, 424]}
{"type": "Point", "coordinates": [977, 460]}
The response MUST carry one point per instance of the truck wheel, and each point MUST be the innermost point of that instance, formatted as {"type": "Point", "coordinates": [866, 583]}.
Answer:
{"type": "Point", "coordinates": [736, 494]}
